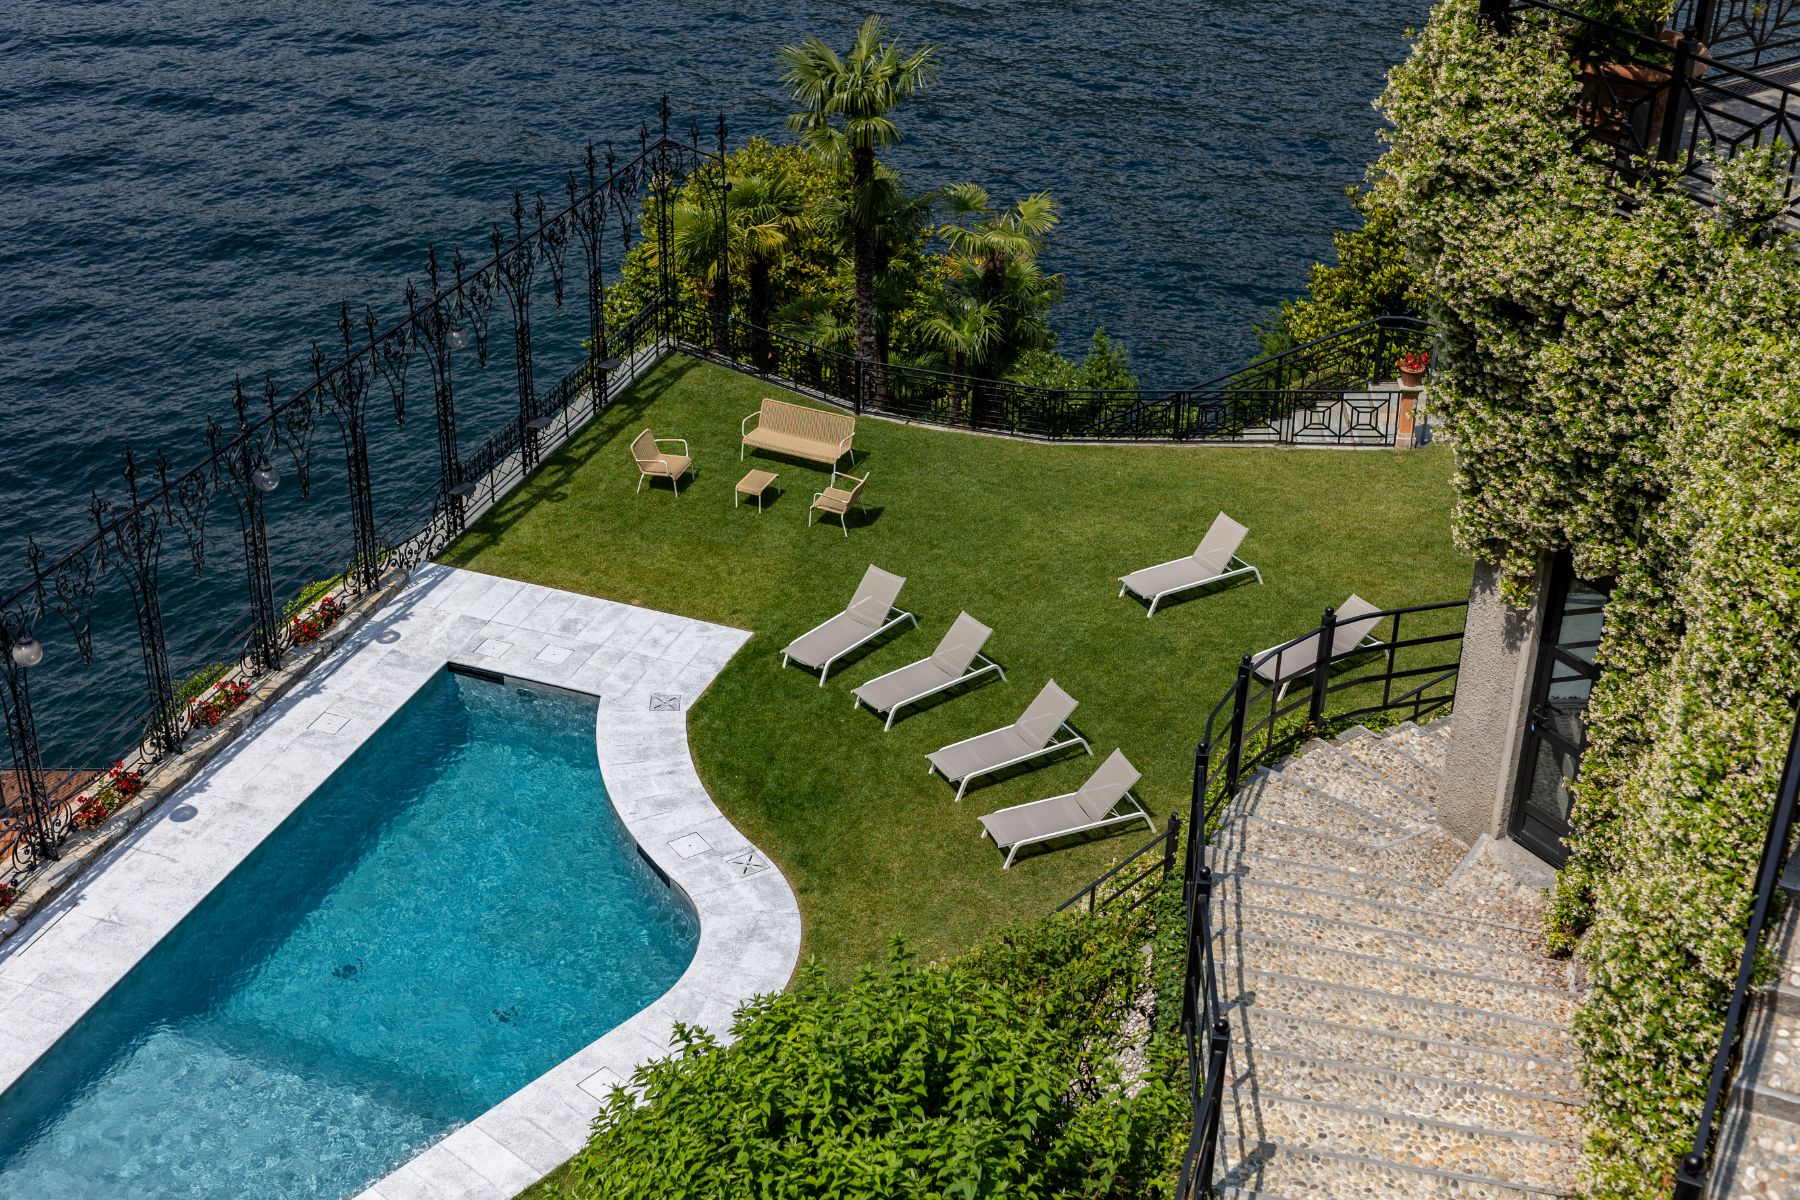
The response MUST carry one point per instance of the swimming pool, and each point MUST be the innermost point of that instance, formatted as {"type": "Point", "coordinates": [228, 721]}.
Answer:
{"type": "Point", "coordinates": [453, 912]}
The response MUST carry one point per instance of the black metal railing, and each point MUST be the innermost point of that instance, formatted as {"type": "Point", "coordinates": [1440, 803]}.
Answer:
{"type": "Point", "coordinates": [1320, 393]}
{"type": "Point", "coordinates": [1394, 663]}
{"type": "Point", "coordinates": [1691, 1176]}
{"type": "Point", "coordinates": [1724, 81]}
{"type": "Point", "coordinates": [1135, 878]}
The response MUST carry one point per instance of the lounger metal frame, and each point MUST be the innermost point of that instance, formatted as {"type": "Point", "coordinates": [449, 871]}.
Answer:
{"type": "Point", "coordinates": [1113, 817]}
{"type": "Point", "coordinates": [1243, 568]}
{"type": "Point", "coordinates": [894, 709]}
{"type": "Point", "coordinates": [895, 615]}
{"type": "Point", "coordinates": [962, 786]}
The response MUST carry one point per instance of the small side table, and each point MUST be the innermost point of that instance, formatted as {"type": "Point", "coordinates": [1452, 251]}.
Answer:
{"type": "Point", "coordinates": [754, 484]}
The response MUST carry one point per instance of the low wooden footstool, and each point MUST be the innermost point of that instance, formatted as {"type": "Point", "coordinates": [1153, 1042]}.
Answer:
{"type": "Point", "coordinates": [754, 484]}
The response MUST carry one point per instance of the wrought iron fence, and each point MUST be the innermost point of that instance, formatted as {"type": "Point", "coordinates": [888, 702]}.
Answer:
{"type": "Point", "coordinates": [1404, 664]}
{"type": "Point", "coordinates": [538, 255]}
{"type": "Point", "coordinates": [1724, 81]}
{"type": "Point", "coordinates": [1322, 393]}
{"type": "Point", "coordinates": [1148, 865]}
{"type": "Point", "coordinates": [1693, 1174]}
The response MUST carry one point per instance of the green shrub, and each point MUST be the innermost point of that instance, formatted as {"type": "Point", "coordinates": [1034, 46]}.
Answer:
{"type": "Point", "coordinates": [990, 1076]}
{"type": "Point", "coordinates": [1371, 278]}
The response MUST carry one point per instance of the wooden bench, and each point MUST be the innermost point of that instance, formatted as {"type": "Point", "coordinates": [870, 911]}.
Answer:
{"type": "Point", "coordinates": [797, 431]}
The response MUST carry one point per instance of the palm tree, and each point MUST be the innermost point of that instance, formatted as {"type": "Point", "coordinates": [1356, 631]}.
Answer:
{"type": "Point", "coordinates": [1003, 248]}
{"type": "Point", "coordinates": [964, 326]}
{"type": "Point", "coordinates": [761, 218]}
{"type": "Point", "coordinates": [845, 114]}
{"type": "Point", "coordinates": [901, 219]}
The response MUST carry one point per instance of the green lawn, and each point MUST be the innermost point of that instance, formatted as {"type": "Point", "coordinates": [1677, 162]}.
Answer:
{"type": "Point", "coordinates": [1030, 539]}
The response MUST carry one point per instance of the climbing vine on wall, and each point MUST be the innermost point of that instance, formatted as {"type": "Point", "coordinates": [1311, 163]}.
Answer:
{"type": "Point", "coordinates": [1621, 380]}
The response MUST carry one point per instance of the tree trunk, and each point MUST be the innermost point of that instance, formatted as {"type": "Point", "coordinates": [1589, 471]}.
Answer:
{"type": "Point", "coordinates": [862, 255]}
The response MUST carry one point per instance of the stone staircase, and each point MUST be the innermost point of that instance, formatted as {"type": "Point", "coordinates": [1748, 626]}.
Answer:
{"type": "Point", "coordinates": [1398, 1029]}
{"type": "Point", "coordinates": [1757, 1153]}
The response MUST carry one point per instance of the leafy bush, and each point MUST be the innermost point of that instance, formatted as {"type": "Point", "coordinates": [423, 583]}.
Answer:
{"type": "Point", "coordinates": [1626, 389]}
{"type": "Point", "coordinates": [1371, 278]}
{"type": "Point", "coordinates": [1107, 368]}
{"type": "Point", "coordinates": [991, 1076]}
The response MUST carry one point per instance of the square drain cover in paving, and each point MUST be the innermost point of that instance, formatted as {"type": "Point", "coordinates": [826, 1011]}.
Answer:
{"type": "Point", "coordinates": [329, 723]}
{"type": "Point", "coordinates": [553, 654]}
{"type": "Point", "coordinates": [493, 648]}
{"type": "Point", "coordinates": [664, 702]}
{"type": "Point", "coordinates": [747, 863]}
{"type": "Point", "coordinates": [600, 1084]}
{"type": "Point", "coordinates": [690, 844]}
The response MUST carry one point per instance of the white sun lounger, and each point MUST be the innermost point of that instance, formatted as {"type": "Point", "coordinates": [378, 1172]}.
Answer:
{"type": "Point", "coordinates": [1214, 560]}
{"type": "Point", "coordinates": [1029, 737]}
{"type": "Point", "coordinates": [1105, 799]}
{"type": "Point", "coordinates": [1352, 633]}
{"type": "Point", "coordinates": [870, 613]}
{"type": "Point", "coordinates": [950, 664]}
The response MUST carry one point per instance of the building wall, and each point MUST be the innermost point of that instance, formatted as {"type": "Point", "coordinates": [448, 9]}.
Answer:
{"type": "Point", "coordinates": [1493, 694]}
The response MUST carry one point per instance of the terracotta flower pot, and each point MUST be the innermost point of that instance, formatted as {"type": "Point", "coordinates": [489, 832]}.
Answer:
{"type": "Point", "coordinates": [1412, 379]}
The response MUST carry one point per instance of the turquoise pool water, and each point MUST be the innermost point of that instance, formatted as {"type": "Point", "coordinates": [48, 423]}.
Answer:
{"type": "Point", "coordinates": [456, 910]}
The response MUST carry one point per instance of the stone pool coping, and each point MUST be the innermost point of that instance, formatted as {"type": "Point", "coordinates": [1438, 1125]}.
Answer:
{"type": "Point", "coordinates": [644, 666]}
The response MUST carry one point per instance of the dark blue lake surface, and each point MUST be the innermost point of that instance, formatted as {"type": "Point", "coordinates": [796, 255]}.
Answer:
{"type": "Point", "coordinates": [192, 187]}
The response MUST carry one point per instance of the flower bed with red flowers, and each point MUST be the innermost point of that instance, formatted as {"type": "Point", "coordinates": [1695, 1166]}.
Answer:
{"type": "Point", "coordinates": [121, 785]}
{"type": "Point", "coordinates": [313, 624]}
{"type": "Point", "coordinates": [1414, 362]}
{"type": "Point", "coordinates": [217, 704]}
{"type": "Point", "coordinates": [8, 893]}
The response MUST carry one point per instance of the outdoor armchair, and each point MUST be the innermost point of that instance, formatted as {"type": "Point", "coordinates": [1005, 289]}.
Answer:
{"type": "Point", "coordinates": [1033, 735]}
{"type": "Point", "coordinates": [1104, 800]}
{"type": "Point", "coordinates": [952, 663]}
{"type": "Point", "coordinates": [654, 462]}
{"type": "Point", "coordinates": [870, 613]}
{"type": "Point", "coordinates": [1354, 620]}
{"type": "Point", "coordinates": [835, 499]}
{"type": "Point", "coordinates": [1214, 560]}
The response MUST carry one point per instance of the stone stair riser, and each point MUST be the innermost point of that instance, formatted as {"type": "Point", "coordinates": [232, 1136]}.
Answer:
{"type": "Point", "coordinates": [1401, 918]}
{"type": "Point", "coordinates": [1424, 858]}
{"type": "Point", "coordinates": [1263, 1169]}
{"type": "Point", "coordinates": [1394, 765]}
{"type": "Point", "coordinates": [1324, 766]}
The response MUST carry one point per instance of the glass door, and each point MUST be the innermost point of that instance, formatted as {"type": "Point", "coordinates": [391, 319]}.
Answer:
{"type": "Point", "coordinates": [1556, 728]}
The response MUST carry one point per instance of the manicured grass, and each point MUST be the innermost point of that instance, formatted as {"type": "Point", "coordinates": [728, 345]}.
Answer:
{"type": "Point", "coordinates": [1030, 539]}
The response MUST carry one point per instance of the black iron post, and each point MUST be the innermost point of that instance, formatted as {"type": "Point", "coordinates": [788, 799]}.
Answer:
{"type": "Point", "coordinates": [590, 230]}
{"type": "Point", "coordinates": [19, 652]}
{"type": "Point", "coordinates": [1321, 675]}
{"type": "Point", "coordinates": [1497, 15]}
{"type": "Point", "coordinates": [345, 390]}
{"type": "Point", "coordinates": [1668, 138]}
{"type": "Point", "coordinates": [135, 540]}
{"type": "Point", "coordinates": [667, 294]}
{"type": "Point", "coordinates": [436, 331]}
{"type": "Point", "coordinates": [249, 475]}
{"type": "Point", "coordinates": [1240, 704]}
{"type": "Point", "coordinates": [516, 267]}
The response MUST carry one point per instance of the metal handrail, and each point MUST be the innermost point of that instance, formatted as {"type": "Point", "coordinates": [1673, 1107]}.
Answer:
{"type": "Point", "coordinates": [1229, 731]}
{"type": "Point", "coordinates": [1164, 841]}
{"type": "Point", "coordinates": [1691, 1175]}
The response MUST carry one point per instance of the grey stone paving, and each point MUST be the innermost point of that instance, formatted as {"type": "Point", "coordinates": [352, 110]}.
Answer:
{"type": "Point", "coordinates": [645, 667]}
{"type": "Point", "coordinates": [1398, 1027]}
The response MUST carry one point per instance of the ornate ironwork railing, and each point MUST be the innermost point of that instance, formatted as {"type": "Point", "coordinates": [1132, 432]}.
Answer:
{"type": "Point", "coordinates": [538, 255]}
{"type": "Point", "coordinates": [1406, 665]}
{"type": "Point", "coordinates": [1692, 1176]}
{"type": "Point", "coordinates": [1722, 82]}
{"type": "Point", "coordinates": [1320, 393]}
{"type": "Point", "coordinates": [1135, 878]}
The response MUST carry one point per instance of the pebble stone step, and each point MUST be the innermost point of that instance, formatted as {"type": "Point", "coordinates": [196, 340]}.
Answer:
{"type": "Point", "coordinates": [1275, 798]}
{"type": "Point", "coordinates": [1425, 747]}
{"type": "Point", "coordinates": [1424, 1097]}
{"type": "Point", "coordinates": [1392, 764]}
{"type": "Point", "coordinates": [1544, 1163]}
{"type": "Point", "coordinates": [1757, 1153]}
{"type": "Point", "coordinates": [1399, 917]}
{"type": "Point", "coordinates": [1394, 977]}
{"type": "Point", "coordinates": [1397, 945]}
{"type": "Point", "coordinates": [1414, 1054]}
{"type": "Point", "coordinates": [1427, 857]}
{"type": "Point", "coordinates": [1406, 1015]}
{"type": "Point", "coordinates": [1323, 766]}
{"type": "Point", "coordinates": [1262, 1169]}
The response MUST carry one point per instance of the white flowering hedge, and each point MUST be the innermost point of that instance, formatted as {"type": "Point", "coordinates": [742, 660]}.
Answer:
{"type": "Point", "coordinates": [1628, 388]}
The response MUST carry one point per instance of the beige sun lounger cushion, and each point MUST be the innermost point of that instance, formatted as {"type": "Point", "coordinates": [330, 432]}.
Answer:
{"type": "Point", "coordinates": [948, 666]}
{"type": "Point", "coordinates": [798, 431]}
{"type": "Point", "coordinates": [870, 613]}
{"type": "Point", "coordinates": [1353, 626]}
{"type": "Point", "coordinates": [1104, 800]}
{"type": "Point", "coordinates": [1211, 562]}
{"type": "Point", "coordinates": [1029, 737]}
{"type": "Point", "coordinates": [653, 461]}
